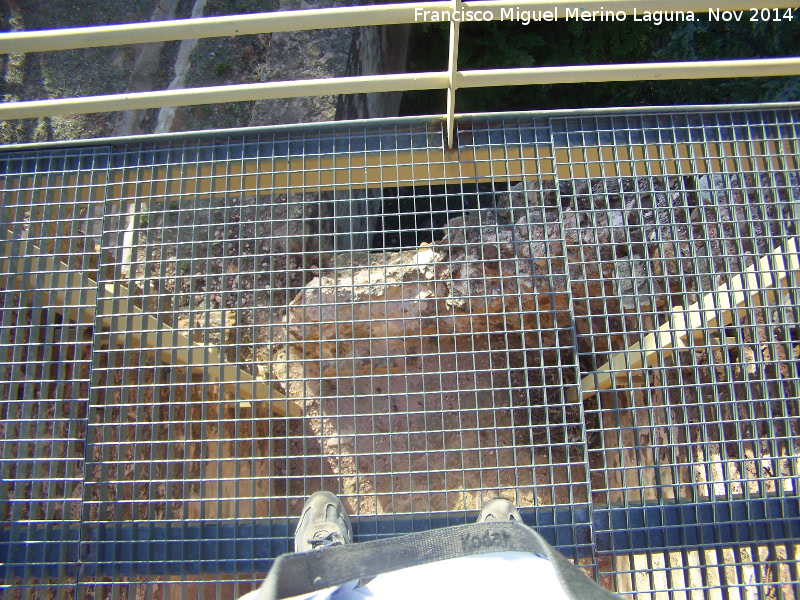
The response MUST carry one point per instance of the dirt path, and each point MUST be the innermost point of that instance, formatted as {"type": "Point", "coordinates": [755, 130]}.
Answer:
{"type": "Point", "coordinates": [183, 63]}
{"type": "Point", "coordinates": [144, 70]}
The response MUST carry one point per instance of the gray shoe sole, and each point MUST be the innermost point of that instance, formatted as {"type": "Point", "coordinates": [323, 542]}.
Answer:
{"type": "Point", "coordinates": [499, 509]}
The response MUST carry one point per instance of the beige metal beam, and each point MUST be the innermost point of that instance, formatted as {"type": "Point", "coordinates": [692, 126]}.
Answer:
{"type": "Point", "coordinates": [323, 173]}
{"type": "Point", "coordinates": [452, 76]}
{"type": "Point", "coordinates": [477, 164]}
{"type": "Point", "coordinates": [714, 310]}
{"type": "Point", "coordinates": [74, 295]}
{"type": "Point", "coordinates": [712, 69]}
{"type": "Point", "coordinates": [224, 93]}
{"type": "Point", "coordinates": [185, 29]}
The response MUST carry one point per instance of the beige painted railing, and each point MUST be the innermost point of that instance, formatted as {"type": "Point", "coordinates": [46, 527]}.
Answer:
{"type": "Point", "coordinates": [385, 14]}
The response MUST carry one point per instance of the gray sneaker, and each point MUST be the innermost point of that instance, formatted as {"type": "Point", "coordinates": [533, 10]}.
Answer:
{"type": "Point", "coordinates": [323, 523]}
{"type": "Point", "coordinates": [499, 509]}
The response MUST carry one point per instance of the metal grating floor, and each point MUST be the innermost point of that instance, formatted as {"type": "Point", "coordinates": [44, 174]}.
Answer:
{"type": "Point", "coordinates": [594, 315]}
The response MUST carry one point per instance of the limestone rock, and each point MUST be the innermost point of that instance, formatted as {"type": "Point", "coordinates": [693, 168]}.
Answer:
{"type": "Point", "coordinates": [523, 266]}
{"type": "Point", "coordinates": [634, 284]}
{"type": "Point", "coordinates": [525, 196]}
{"type": "Point", "coordinates": [361, 319]}
{"type": "Point", "coordinates": [295, 55]}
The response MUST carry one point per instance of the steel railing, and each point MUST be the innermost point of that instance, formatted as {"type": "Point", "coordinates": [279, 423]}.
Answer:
{"type": "Point", "coordinates": [387, 14]}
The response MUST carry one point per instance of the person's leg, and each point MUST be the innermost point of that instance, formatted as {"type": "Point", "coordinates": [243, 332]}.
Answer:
{"type": "Point", "coordinates": [507, 555]}
{"type": "Point", "coordinates": [323, 523]}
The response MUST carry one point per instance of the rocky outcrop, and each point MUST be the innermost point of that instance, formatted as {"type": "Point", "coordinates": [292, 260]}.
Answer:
{"type": "Point", "coordinates": [325, 53]}
{"type": "Point", "coordinates": [294, 55]}
{"type": "Point", "coordinates": [527, 266]}
{"type": "Point", "coordinates": [375, 50]}
{"type": "Point", "coordinates": [486, 275]}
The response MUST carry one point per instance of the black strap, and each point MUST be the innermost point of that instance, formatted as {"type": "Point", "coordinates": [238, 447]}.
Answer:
{"type": "Point", "coordinates": [308, 572]}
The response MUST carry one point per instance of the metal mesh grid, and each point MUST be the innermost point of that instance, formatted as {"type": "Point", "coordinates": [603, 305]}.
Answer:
{"type": "Point", "coordinates": [48, 208]}
{"type": "Point", "coordinates": [424, 389]}
{"type": "Point", "coordinates": [707, 419]}
{"type": "Point", "coordinates": [440, 325]}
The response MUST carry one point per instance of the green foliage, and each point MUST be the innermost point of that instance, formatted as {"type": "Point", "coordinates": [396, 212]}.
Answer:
{"type": "Point", "coordinates": [491, 48]}
{"type": "Point", "coordinates": [704, 40]}
{"type": "Point", "coordinates": [222, 68]}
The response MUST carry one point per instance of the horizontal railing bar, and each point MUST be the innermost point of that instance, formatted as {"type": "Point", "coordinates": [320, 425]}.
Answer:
{"type": "Point", "coordinates": [768, 67]}
{"type": "Point", "coordinates": [327, 18]}
{"type": "Point", "coordinates": [762, 67]}
{"type": "Point", "coordinates": [225, 93]}
{"type": "Point", "coordinates": [231, 25]}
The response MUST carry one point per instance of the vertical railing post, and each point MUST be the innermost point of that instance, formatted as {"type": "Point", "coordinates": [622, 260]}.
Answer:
{"type": "Point", "coordinates": [452, 73]}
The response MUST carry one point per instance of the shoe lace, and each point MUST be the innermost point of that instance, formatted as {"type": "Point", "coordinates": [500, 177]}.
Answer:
{"type": "Point", "coordinates": [325, 541]}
